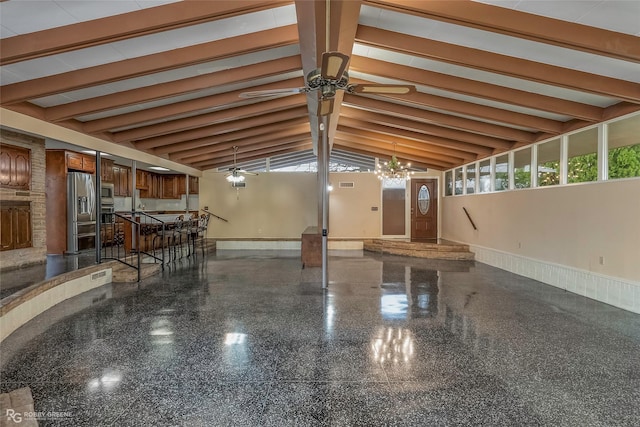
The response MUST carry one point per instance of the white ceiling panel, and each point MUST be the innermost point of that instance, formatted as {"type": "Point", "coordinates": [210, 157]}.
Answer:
{"type": "Point", "coordinates": [26, 61]}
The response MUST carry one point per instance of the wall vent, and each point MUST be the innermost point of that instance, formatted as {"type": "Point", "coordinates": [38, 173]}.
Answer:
{"type": "Point", "coordinates": [347, 185]}
{"type": "Point", "coordinates": [98, 275]}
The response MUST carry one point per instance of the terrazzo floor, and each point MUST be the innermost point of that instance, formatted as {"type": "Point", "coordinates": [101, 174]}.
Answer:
{"type": "Point", "coordinates": [248, 338]}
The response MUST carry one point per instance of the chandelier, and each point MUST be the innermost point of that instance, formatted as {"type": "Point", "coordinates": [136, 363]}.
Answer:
{"type": "Point", "coordinates": [393, 170]}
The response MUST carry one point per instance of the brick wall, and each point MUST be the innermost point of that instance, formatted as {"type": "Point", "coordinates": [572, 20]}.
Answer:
{"type": "Point", "coordinates": [36, 195]}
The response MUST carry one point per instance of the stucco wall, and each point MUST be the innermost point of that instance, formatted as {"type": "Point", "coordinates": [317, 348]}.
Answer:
{"type": "Point", "coordinates": [573, 225]}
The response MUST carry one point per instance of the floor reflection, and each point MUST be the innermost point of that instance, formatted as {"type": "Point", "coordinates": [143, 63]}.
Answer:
{"type": "Point", "coordinates": [408, 292]}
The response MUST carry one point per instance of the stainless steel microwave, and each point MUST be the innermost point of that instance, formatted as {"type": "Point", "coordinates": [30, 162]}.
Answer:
{"type": "Point", "coordinates": [106, 191]}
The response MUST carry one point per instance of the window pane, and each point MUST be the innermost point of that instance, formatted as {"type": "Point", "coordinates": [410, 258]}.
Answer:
{"type": "Point", "coordinates": [522, 168]}
{"type": "Point", "coordinates": [458, 181]}
{"type": "Point", "coordinates": [485, 176]}
{"type": "Point", "coordinates": [448, 183]}
{"type": "Point", "coordinates": [549, 163]}
{"type": "Point", "coordinates": [471, 178]}
{"type": "Point", "coordinates": [583, 156]}
{"type": "Point", "coordinates": [624, 148]}
{"type": "Point", "coordinates": [502, 173]}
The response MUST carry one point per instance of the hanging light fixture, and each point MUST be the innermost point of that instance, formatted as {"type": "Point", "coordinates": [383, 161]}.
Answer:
{"type": "Point", "coordinates": [393, 169]}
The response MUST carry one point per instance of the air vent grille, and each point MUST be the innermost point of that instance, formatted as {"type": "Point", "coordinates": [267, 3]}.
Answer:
{"type": "Point", "coordinates": [347, 185]}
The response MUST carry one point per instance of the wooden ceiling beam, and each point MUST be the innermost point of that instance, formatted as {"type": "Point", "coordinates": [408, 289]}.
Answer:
{"type": "Point", "coordinates": [448, 120]}
{"type": "Point", "coordinates": [173, 88]}
{"type": "Point", "coordinates": [215, 125]}
{"type": "Point", "coordinates": [206, 129]}
{"type": "Point", "coordinates": [404, 146]}
{"type": "Point", "coordinates": [256, 155]}
{"type": "Point", "coordinates": [514, 23]}
{"type": "Point", "coordinates": [124, 26]}
{"type": "Point", "coordinates": [501, 64]}
{"type": "Point", "coordinates": [465, 141]}
{"type": "Point", "coordinates": [213, 151]}
{"type": "Point", "coordinates": [476, 88]}
{"type": "Point", "coordinates": [355, 146]}
{"type": "Point", "coordinates": [148, 64]}
{"type": "Point", "coordinates": [478, 110]}
{"type": "Point", "coordinates": [219, 101]}
{"type": "Point", "coordinates": [229, 139]}
{"type": "Point", "coordinates": [447, 146]}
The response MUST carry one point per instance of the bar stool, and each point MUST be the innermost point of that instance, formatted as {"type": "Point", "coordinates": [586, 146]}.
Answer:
{"type": "Point", "coordinates": [176, 235]}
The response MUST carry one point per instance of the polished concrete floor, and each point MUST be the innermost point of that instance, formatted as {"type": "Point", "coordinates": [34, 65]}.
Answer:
{"type": "Point", "coordinates": [243, 338]}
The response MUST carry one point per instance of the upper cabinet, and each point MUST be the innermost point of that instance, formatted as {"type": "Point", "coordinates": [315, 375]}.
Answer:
{"type": "Point", "coordinates": [193, 185]}
{"type": "Point", "coordinates": [15, 167]}
{"type": "Point", "coordinates": [122, 181]}
{"type": "Point", "coordinates": [81, 162]}
{"type": "Point", "coordinates": [106, 170]}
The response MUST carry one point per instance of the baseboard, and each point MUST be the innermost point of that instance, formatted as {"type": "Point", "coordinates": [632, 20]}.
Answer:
{"type": "Point", "coordinates": [618, 292]}
{"type": "Point", "coordinates": [284, 245]}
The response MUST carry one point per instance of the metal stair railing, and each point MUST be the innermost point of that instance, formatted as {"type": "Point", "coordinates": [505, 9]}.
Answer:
{"type": "Point", "coordinates": [126, 238]}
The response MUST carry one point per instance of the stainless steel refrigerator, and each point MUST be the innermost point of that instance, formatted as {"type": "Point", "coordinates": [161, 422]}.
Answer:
{"type": "Point", "coordinates": [81, 211]}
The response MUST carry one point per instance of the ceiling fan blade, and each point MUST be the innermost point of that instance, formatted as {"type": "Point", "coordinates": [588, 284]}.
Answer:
{"type": "Point", "coordinates": [383, 89]}
{"type": "Point", "coordinates": [325, 107]}
{"type": "Point", "coordinates": [334, 64]}
{"type": "Point", "coordinates": [273, 92]}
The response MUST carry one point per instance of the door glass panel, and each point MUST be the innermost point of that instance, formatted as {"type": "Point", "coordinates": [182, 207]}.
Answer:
{"type": "Point", "coordinates": [424, 200]}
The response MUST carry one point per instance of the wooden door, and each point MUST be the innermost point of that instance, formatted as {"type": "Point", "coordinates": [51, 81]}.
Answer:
{"type": "Point", "coordinates": [424, 209]}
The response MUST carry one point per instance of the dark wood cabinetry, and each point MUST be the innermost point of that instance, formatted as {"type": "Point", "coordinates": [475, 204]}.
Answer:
{"type": "Point", "coordinates": [142, 178]}
{"type": "Point", "coordinates": [81, 162]}
{"type": "Point", "coordinates": [182, 187]}
{"type": "Point", "coordinates": [15, 223]}
{"type": "Point", "coordinates": [122, 181]}
{"type": "Point", "coordinates": [169, 187]}
{"type": "Point", "coordinates": [153, 186]}
{"type": "Point", "coordinates": [106, 170]}
{"type": "Point", "coordinates": [15, 167]}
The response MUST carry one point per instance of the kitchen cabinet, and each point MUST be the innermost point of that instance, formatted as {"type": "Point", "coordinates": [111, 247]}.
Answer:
{"type": "Point", "coordinates": [142, 178]}
{"type": "Point", "coordinates": [193, 185]}
{"type": "Point", "coordinates": [81, 162]}
{"type": "Point", "coordinates": [15, 223]}
{"type": "Point", "coordinates": [15, 167]}
{"type": "Point", "coordinates": [170, 187]}
{"type": "Point", "coordinates": [153, 188]}
{"type": "Point", "coordinates": [122, 181]}
{"type": "Point", "coordinates": [106, 170]}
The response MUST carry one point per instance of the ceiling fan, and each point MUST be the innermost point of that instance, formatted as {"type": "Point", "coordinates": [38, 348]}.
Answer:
{"type": "Point", "coordinates": [235, 175]}
{"type": "Point", "coordinates": [330, 77]}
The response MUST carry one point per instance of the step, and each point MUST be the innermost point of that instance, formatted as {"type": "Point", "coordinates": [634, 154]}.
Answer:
{"type": "Point", "coordinates": [440, 250]}
{"type": "Point", "coordinates": [123, 273]}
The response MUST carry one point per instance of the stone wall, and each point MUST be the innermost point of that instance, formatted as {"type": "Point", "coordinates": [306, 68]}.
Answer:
{"type": "Point", "coordinates": [36, 195]}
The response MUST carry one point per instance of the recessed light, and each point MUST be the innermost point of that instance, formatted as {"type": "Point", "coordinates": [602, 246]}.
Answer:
{"type": "Point", "coordinates": [159, 168]}
{"type": "Point", "coordinates": [93, 153]}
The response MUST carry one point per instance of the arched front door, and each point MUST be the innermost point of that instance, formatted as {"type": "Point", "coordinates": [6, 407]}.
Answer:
{"type": "Point", "coordinates": [424, 209]}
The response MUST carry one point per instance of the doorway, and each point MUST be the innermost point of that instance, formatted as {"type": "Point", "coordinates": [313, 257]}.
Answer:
{"type": "Point", "coordinates": [424, 209]}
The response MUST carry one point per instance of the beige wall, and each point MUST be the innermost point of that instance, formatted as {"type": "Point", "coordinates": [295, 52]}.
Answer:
{"type": "Point", "coordinates": [273, 205]}
{"type": "Point", "coordinates": [350, 214]}
{"type": "Point", "coordinates": [281, 205]}
{"type": "Point", "coordinates": [571, 225]}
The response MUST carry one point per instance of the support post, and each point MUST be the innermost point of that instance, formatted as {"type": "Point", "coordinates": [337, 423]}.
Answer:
{"type": "Point", "coordinates": [323, 170]}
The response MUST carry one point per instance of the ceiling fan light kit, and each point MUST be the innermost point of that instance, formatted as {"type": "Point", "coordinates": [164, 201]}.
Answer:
{"type": "Point", "coordinates": [330, 77]}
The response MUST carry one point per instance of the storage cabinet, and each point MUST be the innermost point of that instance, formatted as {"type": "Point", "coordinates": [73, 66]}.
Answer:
{"type": "Point", "coordinates": [182, 187]}
{"type": "Point", "coordinates": [142, 178]}
{"type": "Point", "coordinates": [122, 181]}
{"type": "Point", "coordinates": [153, 188]}
{"type": "Point", "coordinates": [81, 162]}
{"type": "Point", "coordinates": [15, 223]}
{"type": "Point", "coordinates": [106, 170]}
{"type": "Point", "coordinates": [15, 167]}
{"type": "Point", "coordinates": [170, 187]}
